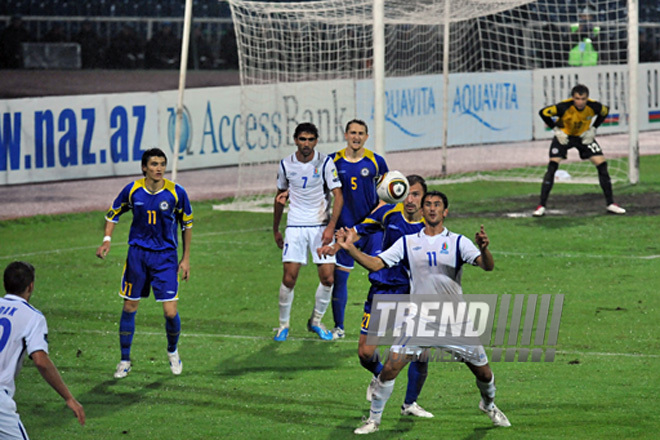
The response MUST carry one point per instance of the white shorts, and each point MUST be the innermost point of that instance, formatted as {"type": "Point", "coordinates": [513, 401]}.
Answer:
{"type": "Point", "coordinates": [473, 354]}
{"type": "Point", "coordinates": [299, 241]}
{"type": "Point", "coordinates": [10, 423]}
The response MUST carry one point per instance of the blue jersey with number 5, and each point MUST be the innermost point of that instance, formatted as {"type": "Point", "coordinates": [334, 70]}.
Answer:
{"type": "Point", "coordinates": [358, 180]}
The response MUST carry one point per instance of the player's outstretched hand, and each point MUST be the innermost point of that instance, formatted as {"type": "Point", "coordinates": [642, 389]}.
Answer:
{"type": "Point", "coordinates": [77, 409]}
{"type": "Point", "coordinates": [481, 238]}
{"type": "Point", "coordinates": [103, 250]}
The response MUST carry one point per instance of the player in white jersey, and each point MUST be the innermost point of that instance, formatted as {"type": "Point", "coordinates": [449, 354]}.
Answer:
{"type": "Point", "coordinates": [310, 180]}
{"type": "Point", "coordinates": [434, 259]}
{"type": "Point", "coordinates": [23, 330]}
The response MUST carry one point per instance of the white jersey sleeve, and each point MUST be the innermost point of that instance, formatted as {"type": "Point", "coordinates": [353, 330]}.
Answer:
{"type": "Point", "coordinates": [468, 250]}
{"type": "Point", "coordinates": [282, 182]}
{"type": "Point", "coordinates": [395, 253]}
{"type": "Point", "coordinates": [23, 330]}
{"type": "Point", "coordinates": [330, 174]}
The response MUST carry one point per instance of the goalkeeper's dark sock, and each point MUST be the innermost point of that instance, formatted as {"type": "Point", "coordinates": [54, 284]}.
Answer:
{"type": "Point", "coordinates": [605, 182]}
{"type": "Point", "coordinates": [340, 297]}
{"type": "Point", "coordinates": [548, 181]}
{"type": "Point", "coordinates": [126, 332]}
{"type": "Point", "coordinates": [173, 328]}
{"type": "Point", "coordinates": [417, 373]}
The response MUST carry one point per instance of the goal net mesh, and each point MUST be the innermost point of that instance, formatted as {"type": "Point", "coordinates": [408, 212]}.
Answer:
{"type": "Point", "coordinates": [309, 41]}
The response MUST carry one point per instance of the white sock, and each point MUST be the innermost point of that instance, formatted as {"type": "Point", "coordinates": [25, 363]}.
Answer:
{"type": "Point", "coordinates": [381, 395]}
{"type": "Point", "coordinates": [487, 390]}
{"type": "Point", "coordinates": [286, 300]}
{"type": "Point", "coordinates": [323, 297]}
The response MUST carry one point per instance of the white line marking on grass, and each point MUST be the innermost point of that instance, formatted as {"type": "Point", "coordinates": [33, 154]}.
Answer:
{"type": "Point", "coordinates": [122, 244]}
{"type": "Point", "coordinates": [602, 354]}
{"type": "Point", "coordinates": [576, 255]}
{"type": "Point", "coordinates": [344, 340]}
{"type": "Point", "coordinates": [208, 234]}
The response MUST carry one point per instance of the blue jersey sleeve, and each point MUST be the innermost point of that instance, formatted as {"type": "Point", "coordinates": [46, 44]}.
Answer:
{"type": "Point", "coordinates": [382, 165]}
{"type": "Point", "coordinates": [184, 208]}
{"type": "Point", "coordinates": [374, 221]}
{"type": "Point", "coordinates": [121, 204]}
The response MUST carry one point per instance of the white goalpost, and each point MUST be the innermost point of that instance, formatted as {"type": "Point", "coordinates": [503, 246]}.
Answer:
{"type": "Point", "coordinates": [303, 49]}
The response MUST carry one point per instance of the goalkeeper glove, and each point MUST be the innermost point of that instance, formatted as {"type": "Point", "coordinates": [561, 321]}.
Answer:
{"type": "Point", "coordinates": [588, 136]}
{"type": "Point", "coordinates": [560, 135]}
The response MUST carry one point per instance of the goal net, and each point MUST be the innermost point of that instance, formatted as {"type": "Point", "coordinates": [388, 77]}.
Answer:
{"type": "Point", "coordinates": [294, 55]}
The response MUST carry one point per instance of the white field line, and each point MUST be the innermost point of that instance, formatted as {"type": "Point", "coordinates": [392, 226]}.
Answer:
{"type": "Point", "coordinates": [119, 244]}
{"type": "Point", "coordinates": [210, 234]}
{"type": "Point", "coordinates": [342, 341]}
{"type": "Point", "coordinates": [576, 255]}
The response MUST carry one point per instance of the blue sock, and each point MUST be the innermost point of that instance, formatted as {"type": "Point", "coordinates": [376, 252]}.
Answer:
{"type": "Point", "coordinates": [374, 364]}
{"type": "Point", "coordinates": [126, 332]}
{"type": "Point", "coordinates": [340, 297]}
{"type": "Point", "coordinates": [173, 328]}
{"type": "Point", "coordinates": [417, 372]}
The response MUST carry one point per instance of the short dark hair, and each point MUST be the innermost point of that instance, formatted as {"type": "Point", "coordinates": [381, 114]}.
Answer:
{"type": "Point", "coordinates": [152, 152]}
{"type": "Point", "coordinates": [359, 122]}
{"type": "Point", "coordinates": [435, 193]}
{"type": "Point", "coordinates": [414, 179]}
{"type": "Point", "coordinates": [306, 127]}
{"type": "Point", "coordinates": [18, 276]}
{"type": "Point", "coordinates": [580, 89]}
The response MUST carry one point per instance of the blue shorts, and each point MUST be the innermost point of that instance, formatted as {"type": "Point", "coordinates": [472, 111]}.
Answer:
{"type": "Point", "coordinates": [370, 244]}
{"type": "Point", "coordinates": [146, 269]}
{"type": "Point", "coordinates": [379, 290]}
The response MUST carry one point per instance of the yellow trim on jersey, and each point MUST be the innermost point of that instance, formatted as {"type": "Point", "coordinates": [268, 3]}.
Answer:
{"type": "Point", "coordinates": [574, 122]}
{"type": "Point", "coordinates": [368, 154]}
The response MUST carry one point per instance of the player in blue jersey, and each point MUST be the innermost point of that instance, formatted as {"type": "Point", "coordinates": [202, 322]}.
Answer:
{"type": "Point", "coordinates": [391, 222]}
{"type": "Point", "coordinates": [359, 169]}
{"type": "Point", "coordinates": [160, 208]}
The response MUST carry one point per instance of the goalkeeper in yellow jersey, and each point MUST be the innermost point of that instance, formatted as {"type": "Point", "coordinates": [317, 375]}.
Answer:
{"type": "Point", "coordinates": [571, 122]}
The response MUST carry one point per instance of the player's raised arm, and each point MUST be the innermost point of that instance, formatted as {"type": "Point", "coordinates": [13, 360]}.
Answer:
{"type": "Point", "coordinates": [485, 260]}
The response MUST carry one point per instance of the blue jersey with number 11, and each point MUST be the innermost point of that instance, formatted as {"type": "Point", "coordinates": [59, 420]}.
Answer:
{"type": "Point", "coordinates": [155, 215]}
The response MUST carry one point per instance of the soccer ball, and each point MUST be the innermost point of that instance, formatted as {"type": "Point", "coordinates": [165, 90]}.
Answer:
{"type": "Point", "coordinates": [393, 187]}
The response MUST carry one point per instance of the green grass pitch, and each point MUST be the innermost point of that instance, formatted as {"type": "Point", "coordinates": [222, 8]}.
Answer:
{"type": "Point", "coordinates": [237, 382]}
